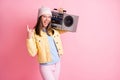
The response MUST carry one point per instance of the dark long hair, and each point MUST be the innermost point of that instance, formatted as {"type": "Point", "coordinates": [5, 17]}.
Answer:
{"type": "Point", "coordinates": [38, 27]}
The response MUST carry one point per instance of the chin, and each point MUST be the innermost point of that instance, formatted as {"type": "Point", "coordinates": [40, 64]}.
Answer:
{"type": "Point", "coordinates": [45, 26]}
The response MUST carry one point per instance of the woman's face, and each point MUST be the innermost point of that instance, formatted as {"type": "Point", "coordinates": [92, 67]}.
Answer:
{"type": "Point", "coordinates": [46, 19]}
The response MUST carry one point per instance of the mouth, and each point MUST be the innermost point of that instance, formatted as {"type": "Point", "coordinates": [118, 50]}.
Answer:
{"type": "Point", "coordinates": [45, 24]}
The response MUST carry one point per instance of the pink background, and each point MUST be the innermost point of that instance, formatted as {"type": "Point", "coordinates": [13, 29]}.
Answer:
{"type": "Point", "coordinates": [92, 53]}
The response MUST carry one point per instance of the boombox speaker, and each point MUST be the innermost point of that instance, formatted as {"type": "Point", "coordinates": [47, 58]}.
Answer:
{"type": "Point", "coordinates": [64, 21]}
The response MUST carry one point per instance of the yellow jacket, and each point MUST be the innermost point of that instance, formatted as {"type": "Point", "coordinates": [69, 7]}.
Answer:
{"type": "Point", "coordinates": [38, 45]}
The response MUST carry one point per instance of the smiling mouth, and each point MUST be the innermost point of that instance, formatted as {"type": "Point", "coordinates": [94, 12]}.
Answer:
{"type": "Point", "coordinates": [45, 24]}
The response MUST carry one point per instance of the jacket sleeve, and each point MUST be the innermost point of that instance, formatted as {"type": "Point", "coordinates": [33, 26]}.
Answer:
{"type": "Point", "coordinates": [31, 46]}
{"type": "Point", "coordinates": [61, 31]}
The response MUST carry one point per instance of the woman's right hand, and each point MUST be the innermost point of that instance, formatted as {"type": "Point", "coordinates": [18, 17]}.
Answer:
{"type": "Point", "coordinates": [29, 32]}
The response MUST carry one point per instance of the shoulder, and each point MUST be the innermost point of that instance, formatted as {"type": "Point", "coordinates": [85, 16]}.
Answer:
{"type": "Point", "coordinates": [60, 31]}
{"type": "Point", "coordinates": [55, 31]}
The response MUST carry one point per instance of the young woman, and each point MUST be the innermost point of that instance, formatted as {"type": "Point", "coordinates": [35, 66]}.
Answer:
{"type": "Point", "coordinates": [45, 42]}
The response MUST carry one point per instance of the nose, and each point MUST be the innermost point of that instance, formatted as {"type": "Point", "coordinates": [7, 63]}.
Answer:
{"type": "Point", "coordinates": [46, 17]}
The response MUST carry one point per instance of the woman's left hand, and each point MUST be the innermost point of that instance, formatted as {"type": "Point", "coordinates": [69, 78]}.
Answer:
{"type": "Point", "coordinates": [60, 10]}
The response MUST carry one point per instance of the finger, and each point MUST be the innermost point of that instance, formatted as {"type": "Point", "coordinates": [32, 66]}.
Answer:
{"type": "Point", "coordinates": [28, 29]}
{"type": "Point", "coordinates": [60, 10]}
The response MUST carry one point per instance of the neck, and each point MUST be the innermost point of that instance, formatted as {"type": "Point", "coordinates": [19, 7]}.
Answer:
{"type": "Point", "coordinates": [44, 29]}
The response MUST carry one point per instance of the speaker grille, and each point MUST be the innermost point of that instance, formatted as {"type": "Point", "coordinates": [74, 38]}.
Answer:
{"type": "Point", "coordinates": [68, 21]}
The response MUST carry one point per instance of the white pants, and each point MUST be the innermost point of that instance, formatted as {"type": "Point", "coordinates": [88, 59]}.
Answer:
{"type": "Point", "coordinates": [50, 72]}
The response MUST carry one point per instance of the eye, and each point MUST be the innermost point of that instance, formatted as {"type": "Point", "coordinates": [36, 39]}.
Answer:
{"type": "Point", "coordinates": [49, 17]}
{"type": "Point", "coordinates": [44, 16]}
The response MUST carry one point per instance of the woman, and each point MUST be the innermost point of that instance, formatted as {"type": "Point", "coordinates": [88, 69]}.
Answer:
{"type": "Point", "coordinates": [45, 42]}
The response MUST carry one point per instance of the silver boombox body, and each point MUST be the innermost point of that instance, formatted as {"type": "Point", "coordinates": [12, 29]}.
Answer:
{"type": "Point", "coordinates": [64, 21]}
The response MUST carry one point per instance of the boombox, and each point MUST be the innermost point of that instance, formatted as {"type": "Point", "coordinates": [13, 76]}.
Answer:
{"type": "Point", "coordinates": [64, 21]}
